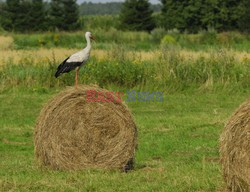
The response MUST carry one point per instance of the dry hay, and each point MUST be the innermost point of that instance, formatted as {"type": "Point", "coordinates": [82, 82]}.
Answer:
{"type": "Point", "coordinates": [6, 42]}
{"type": "Point", "coordinates": [235, 150]}
{"type": "Point", "coordinates": [44, 56]}
{"type": "Point", "coordinates": [73, 134]}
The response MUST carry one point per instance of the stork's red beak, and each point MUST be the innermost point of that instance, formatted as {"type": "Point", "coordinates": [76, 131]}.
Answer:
{"type": "Point", "coordinates": [92, 37]}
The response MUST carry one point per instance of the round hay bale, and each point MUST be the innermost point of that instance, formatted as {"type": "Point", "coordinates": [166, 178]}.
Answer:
{"type": "Point", "coordinates": [72, 133]}
{"type": "Point", "coordinates": [235, 150]}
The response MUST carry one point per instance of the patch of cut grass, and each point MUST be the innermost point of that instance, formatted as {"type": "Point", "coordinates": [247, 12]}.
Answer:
{"type": "Point", "coordinates": [177, 151]}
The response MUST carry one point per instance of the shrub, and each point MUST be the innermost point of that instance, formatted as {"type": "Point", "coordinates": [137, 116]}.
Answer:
{"type": "Point", "coordinates": [224, 38]}
{"type": "Point", "coordinates": [173, 32]}
{"type": "Point", "coordinates": [229, 38]}
{"type": "Point", "coordinates": [157, 34]}
{"type": "Point", "coordinates": [237, 37]}
{"type": "Point", "coordinates": [209, 37]}
{"type": "Point", "coordinates": [168, 40]}
{"type": "Point", "coordinates": [194, 38]}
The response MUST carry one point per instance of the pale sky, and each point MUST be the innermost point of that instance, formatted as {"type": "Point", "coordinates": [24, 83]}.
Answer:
{"type": "Point", "coordinates": [104, 1]}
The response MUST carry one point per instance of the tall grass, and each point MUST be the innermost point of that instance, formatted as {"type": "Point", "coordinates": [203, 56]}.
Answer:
{"type": "Point", "coordinates": [169, 71]}
{"type": "Point", "coordinates": [6, 42]}
{"type": "Point", "coordinates": [220, 70]}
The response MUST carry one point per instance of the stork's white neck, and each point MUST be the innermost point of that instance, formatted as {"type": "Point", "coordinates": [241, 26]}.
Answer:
{"type": "Point", "coordinates": [88, 42]}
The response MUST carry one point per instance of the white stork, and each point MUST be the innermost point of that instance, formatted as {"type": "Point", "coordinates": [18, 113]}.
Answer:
{"type": "Point", "coordinates": [76, 60]}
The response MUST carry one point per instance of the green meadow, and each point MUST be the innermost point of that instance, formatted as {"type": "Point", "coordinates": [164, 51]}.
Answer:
{"type": "Point", "coordinates": [178, 139]}
{"type": "Point", "coordinates": [178, 147]}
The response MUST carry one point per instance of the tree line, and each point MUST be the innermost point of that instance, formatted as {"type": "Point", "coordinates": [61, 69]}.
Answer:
{"type": "Point", "coordinates": [138, 15]}
{"type": "Point", "coordinates": [109, 8]}
{"type": "Point", "coordinates": [195, 15]}
{"type": "Point", "coordinates": [37, 15]}
{"type": "Point", "coordinates": [187, 15]}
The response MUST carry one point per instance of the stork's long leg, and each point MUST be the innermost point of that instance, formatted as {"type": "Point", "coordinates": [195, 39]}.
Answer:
{"type": "Point", "coordinates": [76, 77]}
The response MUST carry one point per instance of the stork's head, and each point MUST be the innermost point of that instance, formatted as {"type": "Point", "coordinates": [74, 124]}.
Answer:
{"type": "Point", "coordinates": [89, 35]}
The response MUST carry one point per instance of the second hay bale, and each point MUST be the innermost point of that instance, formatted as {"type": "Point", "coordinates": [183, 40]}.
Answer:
{"type": "Point", "coordinates": [235, 150]}
{"type": "Point", "coordinates": [73, 134]}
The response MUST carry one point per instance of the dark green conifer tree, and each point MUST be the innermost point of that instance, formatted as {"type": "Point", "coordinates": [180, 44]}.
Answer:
{"type": "Point", "coordinates": [38, 15]}
{"type": "Point", "coordinates": [136, 15]}
{"type": "Point", "coordinates": [9, 15]}
{"type": "Point", "coordinates": [23, 17]}
{"type": "Point", "coordinates": [172, 14]}
{"type": "Point", "coordinates": [244, 21]}
{"type": "Point", "coordinates": [56, 14]}
{"type": "Point", "coordinates": [71, 15]}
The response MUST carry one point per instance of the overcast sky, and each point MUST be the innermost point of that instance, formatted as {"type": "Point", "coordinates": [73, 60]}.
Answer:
{"type": "Point", "coordinates": [104, 1]}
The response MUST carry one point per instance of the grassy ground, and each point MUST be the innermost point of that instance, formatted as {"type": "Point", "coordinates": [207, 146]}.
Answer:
{"type": "Point", "coordinates": [178, 145]}
{"type": "Point", "coordinates": [203, 83]}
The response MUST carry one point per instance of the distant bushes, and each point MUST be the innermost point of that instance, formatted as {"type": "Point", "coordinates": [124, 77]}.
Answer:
{"type": "Point", "coordinates": [168, 40]}
{"type": "Point", "coordinates": [231, 37]}
{"type": "Point", "coordinates": [49, 40]}
{"type": "Point", "coordinates": [157, 34]}
{"type": "Point", "coordinates": [205, 39]}
{"type": "Point", "coordinates": [213, 38]}
{"type": "Point", "coordinates": [137, 40]}
{"type": "Point", "coordinates": [134, 40]}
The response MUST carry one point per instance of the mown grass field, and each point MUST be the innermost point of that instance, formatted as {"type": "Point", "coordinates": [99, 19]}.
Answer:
{"type": "Point", "coordinates": [178, 147]}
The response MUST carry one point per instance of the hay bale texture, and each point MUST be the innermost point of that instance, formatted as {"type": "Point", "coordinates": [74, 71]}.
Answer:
{"type": "Point", "coordinates": [235, 150]}
{"type": "Point", "coordinates": [73, 134]}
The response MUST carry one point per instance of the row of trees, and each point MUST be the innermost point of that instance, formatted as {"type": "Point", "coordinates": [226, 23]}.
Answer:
{"type": "Point", "coordinates": [188, 15]}
{"type": "Point", "coordinates": [194, 15]}
{"type": "Point", "coordinates": [35, 15]}
{"type": "Point", "coordinates": [185, 15]}
{"type": "Point", "coordinates": [109, 8]}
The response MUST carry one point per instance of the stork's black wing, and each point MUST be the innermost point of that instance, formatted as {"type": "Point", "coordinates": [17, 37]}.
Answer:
{"type": "Point", "coordinates": [66, 67]}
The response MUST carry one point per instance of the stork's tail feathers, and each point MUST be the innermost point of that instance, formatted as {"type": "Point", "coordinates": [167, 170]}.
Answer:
{"type": "Point", "coordinates": [57, 74]}
{"type": "Point", "coordinates": [59, 70]}
{"type": "Point", "coordinates": [66, 67]}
